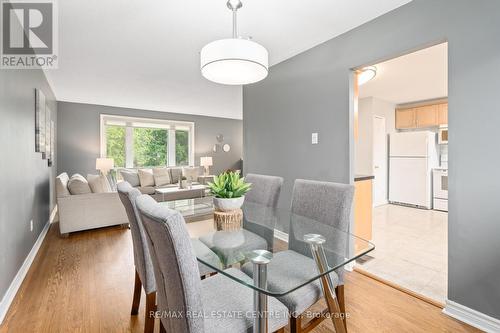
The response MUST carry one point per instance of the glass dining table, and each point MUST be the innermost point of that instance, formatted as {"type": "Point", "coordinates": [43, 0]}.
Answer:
{"type": "Point", "coordinates": [312, 247]}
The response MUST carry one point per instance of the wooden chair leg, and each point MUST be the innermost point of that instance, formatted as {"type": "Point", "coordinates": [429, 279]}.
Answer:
{"type": "Point", "coordinates": [296, 324]}
{"type": "Point", "coordinates": [281, 330]}
{"type": "Point", "coordinates": [162, 328]}
{"type": "Point", "coordinates": [137, 295]}
{"type": "Point", "coordinates": [149, 322]}
{"type": "Point", "coordinates": [339, 291]}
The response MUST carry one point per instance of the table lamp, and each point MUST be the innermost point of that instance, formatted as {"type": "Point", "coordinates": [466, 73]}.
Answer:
{"type": "Point", "coordinates": [104, 165]}
{"type": "Point", "coordinates": [206, 162]}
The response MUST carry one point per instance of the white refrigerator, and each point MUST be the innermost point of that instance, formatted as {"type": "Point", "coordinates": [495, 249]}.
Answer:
{"type": "Point", "coordinates": [412, 156]}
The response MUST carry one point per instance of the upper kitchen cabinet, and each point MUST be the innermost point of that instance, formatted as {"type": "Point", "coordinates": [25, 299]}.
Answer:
{"type": "Point", "coordinates": [427, 116]}
{"type": "Point", "coordinates": [424, 116]}
{"type": "Point", "coordinates": [405, 118]}
{"type": "Point", "coordinates": [443, 114]}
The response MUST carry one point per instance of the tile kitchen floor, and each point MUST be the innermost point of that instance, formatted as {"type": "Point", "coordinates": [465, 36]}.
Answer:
{"type": "Point", "coordinates": [411, 249]}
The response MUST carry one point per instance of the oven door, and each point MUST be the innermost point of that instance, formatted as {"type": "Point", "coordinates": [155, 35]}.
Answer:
{"type": "Point", "coordinates": [441, 184]}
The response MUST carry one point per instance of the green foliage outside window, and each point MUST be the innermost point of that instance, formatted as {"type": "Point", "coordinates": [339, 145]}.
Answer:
{"type": "Point", "coordinates": [182, 147]}
{"type": "Point", "coordinates": [150, 147]}
{"type": "Point", "coordinates": [115, 144]}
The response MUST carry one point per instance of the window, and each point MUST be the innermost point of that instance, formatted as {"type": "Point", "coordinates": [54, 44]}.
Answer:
{"type": "Point", "coordinates": [140, 142]}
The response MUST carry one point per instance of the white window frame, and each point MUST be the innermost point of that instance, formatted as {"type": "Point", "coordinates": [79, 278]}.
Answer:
{"type": "Point", "coordinates": [170, 125]}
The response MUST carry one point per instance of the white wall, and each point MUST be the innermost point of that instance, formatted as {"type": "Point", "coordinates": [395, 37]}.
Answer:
{"type": "Point", "coordinates": [367, 108]}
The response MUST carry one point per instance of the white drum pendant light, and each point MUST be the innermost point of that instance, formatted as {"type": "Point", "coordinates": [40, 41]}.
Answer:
{"type": "Point", "coordinates": [234, 61]}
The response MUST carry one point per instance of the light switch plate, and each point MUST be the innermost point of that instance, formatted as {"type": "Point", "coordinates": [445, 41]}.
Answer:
{"type": "Point", "coordinates": [314, 138]}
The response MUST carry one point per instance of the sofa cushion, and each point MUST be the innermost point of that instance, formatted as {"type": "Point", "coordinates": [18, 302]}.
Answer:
{"type": "Point", "coordinates": [62, 185]}
{"type": "Point", "coordinates": [147, 189]}
{"type": "Point", "coordinates": [175, 174]}
{"type": "Point", "coordinates": [98, 183]}
{"type": "Point", "coordinates": [191, 173]}
{"type": "Point", "coordinates": [77, 184]}
{"type": "Point", "coordinates": [161, 176]}
{"type": "Point", "coordinates": [146, 177]}
{"type": "Point", "coordinates": [131, 177]}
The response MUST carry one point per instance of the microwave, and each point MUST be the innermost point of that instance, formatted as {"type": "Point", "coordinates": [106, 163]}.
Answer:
{"type": "Point", "coordinates": [443, 135]}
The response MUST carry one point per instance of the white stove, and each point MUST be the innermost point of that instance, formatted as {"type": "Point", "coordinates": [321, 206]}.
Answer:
{"type": "Point", "coordinates": [440, 189]}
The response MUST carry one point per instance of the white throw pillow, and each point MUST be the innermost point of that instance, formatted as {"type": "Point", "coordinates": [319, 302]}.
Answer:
{"type": "Point", "coordinates": [77, 184]}
{"type": "Point", "coordinates": [62, 185]}
{"type": "Point", "coordinates": [146, 177]}
{"type": "Point", "coordinates": [98, 184]}
{"type": "Point", "coordinates": [191, 173]}
{"type": "Point", "coordinates": [161, 176]}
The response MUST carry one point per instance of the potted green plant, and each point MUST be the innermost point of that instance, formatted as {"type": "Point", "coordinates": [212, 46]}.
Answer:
{"type": "Point", "coordinates": [229, 190]}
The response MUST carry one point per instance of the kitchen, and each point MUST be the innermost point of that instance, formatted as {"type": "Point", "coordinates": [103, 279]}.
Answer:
{"type": "Point", "coordinates": [401, 137]}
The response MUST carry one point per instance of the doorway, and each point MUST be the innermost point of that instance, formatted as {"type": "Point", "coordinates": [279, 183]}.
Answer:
{"type": "Point", "coordinates": [400, 114]}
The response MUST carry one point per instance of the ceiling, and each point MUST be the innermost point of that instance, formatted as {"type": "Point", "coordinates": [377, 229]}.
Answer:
{"type": "Point", "coordinates": [417, 76]}
{"type": "Point", "coordinates": [145, 54]}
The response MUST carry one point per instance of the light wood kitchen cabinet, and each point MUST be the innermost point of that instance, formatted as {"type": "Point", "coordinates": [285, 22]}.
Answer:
{"type": "Point", "coordinates": [427, 116]}
{"type": "Point", "coordinates": [424, 116]}
{"type": "Point", "coordinates": [363, 203]}
{"type": "Point", "coordinates": [405, 118]}
{"type": "Point", "coordinates": [443, 114]}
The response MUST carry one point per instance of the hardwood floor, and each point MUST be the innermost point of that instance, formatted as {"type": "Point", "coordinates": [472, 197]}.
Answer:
{"type": "Point", "coordinates": [84, 283]}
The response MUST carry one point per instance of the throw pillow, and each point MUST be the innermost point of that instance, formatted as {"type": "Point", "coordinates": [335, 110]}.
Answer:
{"type": "Point", "coordinates": [146, 177]}
{"type": "Point", "coordinates": [77, 184]}
{"type": "Point", "coordinates": [62, 185]}
{"type": "Point", "coordinates": [161, 176]}
{"type": "Point", "coordinates": [191, 173]}
{"type": "Point", "coordinates": [131, 177]}
{"type": "Point", "coordinates": [98, 184]}
{"type": "Point", "coordinates": [175, 173]}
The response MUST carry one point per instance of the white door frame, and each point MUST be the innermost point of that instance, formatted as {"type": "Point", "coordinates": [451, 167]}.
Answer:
{"type": "Point", "coordinates": [386, 169]}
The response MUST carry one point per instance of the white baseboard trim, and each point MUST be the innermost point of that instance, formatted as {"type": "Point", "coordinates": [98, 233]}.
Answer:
{"type": "Point", "coordinates": [21, 274]}
{"type": "Point", "coordinates": [472, 317]}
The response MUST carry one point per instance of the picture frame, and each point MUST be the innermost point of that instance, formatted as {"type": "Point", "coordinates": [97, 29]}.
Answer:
{"type": "Point", "coordinates": [52, 143]}
{"type": "Point", "coordinates": [46, 154]}
{"type": "Point", "coordinates": [40, 122]}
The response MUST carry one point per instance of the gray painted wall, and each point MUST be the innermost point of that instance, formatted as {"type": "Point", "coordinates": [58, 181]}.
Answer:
{"type": "Point", "coordinates": [310, 92]}
{"type": "Point", "coordinates": [79, 136]}
{"type": "Point", "coordinates": [25, 193]}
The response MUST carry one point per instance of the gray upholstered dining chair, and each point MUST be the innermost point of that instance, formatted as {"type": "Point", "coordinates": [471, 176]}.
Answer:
{"type": "Point", "coordinates": [327, 204]}
{"type": "Point", "coordinates": [265, 192]}
{"type": "Point", "coordinates": [144, 273]}
{"type": "Point", "coordinates": [181, 292]}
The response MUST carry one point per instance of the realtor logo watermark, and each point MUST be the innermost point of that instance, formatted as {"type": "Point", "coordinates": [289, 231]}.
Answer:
{"type": "Point", "coordinates": [29, 34]}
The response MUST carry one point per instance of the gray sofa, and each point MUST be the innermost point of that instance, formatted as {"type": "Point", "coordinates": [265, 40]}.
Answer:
{"type": "Point", "coordinates": [194, 175]}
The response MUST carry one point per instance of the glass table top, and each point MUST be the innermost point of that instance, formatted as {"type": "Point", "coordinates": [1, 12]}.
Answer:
{"type": "Point", "coordinates": [288, 237]}
{"type": "Point", "coordinates": [191, 207]}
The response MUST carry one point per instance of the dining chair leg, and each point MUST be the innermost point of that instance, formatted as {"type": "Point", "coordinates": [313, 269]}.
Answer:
{"type": "Point", "coordinates": [137, 295]}
{"type": "Point", "coordinates": [296, 324]}
{"type": "Point", "coordinates": [149, 322]}
{"type": "Point", "coordinates": [281, 330]}
{"type": "Point", "coordinates": [162, 328]}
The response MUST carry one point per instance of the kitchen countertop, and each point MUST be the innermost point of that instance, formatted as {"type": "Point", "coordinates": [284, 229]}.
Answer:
{"type": "Point", "coordinates": [358, 178]}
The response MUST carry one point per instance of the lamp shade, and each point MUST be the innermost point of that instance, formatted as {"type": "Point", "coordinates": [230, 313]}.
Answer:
{"type": "Point", "coordinates": [104, 164]}
{"type": "Point", "coordinates": [234, 61]}
{"type": "Point", "coordinates": [206, 161]}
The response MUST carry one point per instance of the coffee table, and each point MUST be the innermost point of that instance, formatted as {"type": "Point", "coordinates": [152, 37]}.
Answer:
{"type": "Point", "coordinates": [193, 210]}
{"type": "Point", "coordinates": [175, 193]}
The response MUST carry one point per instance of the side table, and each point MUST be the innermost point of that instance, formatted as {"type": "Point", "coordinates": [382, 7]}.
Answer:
{"type": "Point", "coordinates": [228, 221]}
